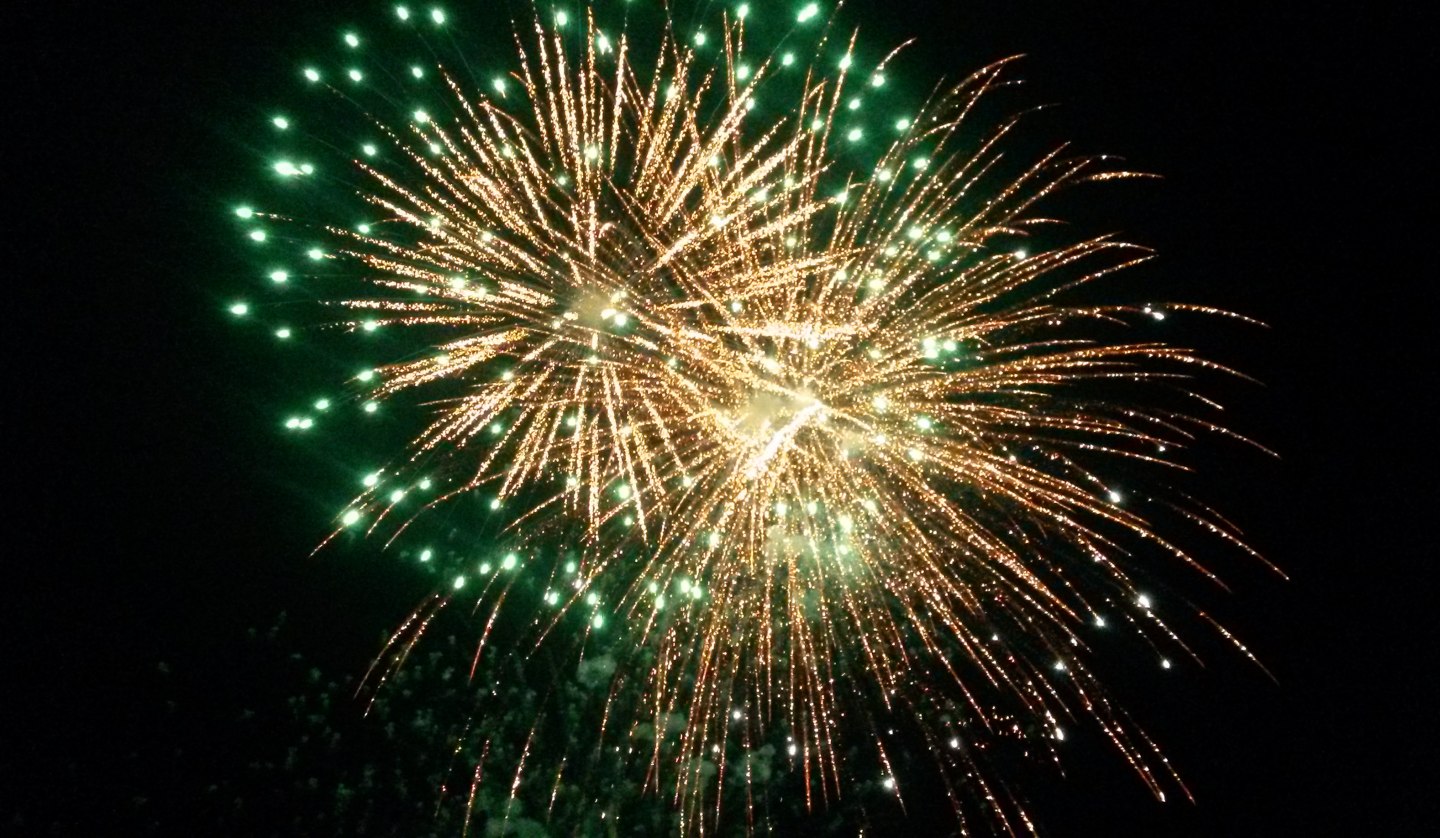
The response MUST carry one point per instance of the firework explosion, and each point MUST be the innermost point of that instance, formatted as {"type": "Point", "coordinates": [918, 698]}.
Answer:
{"type": "Point", "coordinates": [775, 382]}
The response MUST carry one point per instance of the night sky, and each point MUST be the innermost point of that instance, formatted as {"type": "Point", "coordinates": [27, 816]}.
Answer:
{"type": "Point", "coordinates": [157, 513]}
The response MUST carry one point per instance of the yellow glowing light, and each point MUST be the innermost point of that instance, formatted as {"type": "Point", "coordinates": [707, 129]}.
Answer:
{"type": "Point", "coordinates": [731, 370]}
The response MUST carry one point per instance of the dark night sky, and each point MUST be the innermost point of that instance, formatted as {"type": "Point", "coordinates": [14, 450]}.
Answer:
{"type": "Point", "coordinates": [150, 520]}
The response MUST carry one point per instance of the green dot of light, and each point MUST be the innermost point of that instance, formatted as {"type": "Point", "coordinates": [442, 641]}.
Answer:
{"type": "Point", "coordinates": [311, 74]}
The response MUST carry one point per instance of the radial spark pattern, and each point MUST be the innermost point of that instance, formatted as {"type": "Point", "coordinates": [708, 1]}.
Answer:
{"type": "Point", "coordinates": [809, 404]}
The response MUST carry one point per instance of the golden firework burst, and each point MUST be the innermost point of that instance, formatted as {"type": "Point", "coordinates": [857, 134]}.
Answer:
{"type": "Point", "coordinates": [828, 437]}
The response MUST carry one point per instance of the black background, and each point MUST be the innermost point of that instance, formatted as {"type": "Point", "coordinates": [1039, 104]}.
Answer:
{"type": "Point", "coordinates": [149, 520]}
